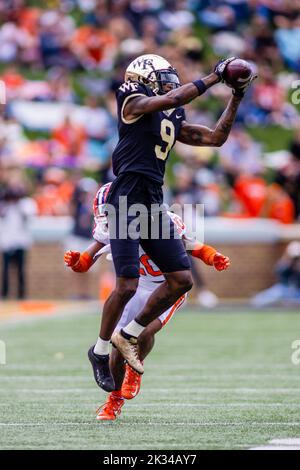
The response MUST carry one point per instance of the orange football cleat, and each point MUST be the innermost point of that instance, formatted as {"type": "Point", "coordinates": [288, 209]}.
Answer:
{"type": "Point", "coordinates": [131, 383]}
{"type": "Point", "coordinates": [111, 408]}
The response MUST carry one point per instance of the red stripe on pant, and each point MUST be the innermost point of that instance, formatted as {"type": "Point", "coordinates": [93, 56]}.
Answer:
{"type": "Point", "coordinates": [175, 307]}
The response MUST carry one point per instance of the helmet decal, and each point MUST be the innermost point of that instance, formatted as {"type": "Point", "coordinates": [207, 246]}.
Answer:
{"type": "Point", "coordinates": [153, 71]}
{"type": "Point", "coordinates": [143, 63]}
{"type": "Point", "coordinates": [100, 199]}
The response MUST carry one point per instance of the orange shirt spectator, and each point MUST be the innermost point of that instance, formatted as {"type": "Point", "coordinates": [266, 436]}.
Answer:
{"type": "Point", "coordinates": [257, 199]}
{"type": "Point", "coordinates": [70, 136]}
{"type": "Point", "coordinates": [251, 193]}
{"type": "Point", "coordinates": [28, 19]}
{"type": "Point", "coordinates": [54, 199]}
{"type": "Point", "coordinates": [92, 45]}
{"type": "Point", "coordinates": [12, 79]}
{"type": "Point", "coordinates": [278, 205]}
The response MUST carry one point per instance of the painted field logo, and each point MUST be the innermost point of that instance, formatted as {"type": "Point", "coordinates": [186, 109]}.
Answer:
{"type": "Point", "coordinates": [2, 353]}
{"type": "Point", "coordinates": [2, 92]}
{"type": "Point", "coordinates": [295, 357]}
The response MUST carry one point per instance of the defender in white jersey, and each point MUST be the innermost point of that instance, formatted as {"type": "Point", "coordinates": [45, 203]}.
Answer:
{"type": "Point", "coordinates": [150, 275]}
{"type": "Point", "coordinates": [127, 381]}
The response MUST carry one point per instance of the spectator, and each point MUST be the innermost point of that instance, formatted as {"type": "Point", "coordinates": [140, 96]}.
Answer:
{"type": "Point", "coordinates": [269, 101]}
{"type": "Point", "coordinates": [240, 155]}
{"type": "Point", "coordinates": [287, 37]}
{"type": "Point", "coordinates": [15, 239]}
{"type": "Point", "coordinates": [70, 137]}
{"type": "Point", "coordinates": [54, 36]}
{"type": "Point", "coordinates": [289, 175]}
{"type": "Point", "coordinates": [287, 287]}
{"type": "Point", "coordinates": [93, 47]}
{"type": "Point", "coordinates": [82, 205]}
{"type": "Point", "coordinates": [76, 51]}
{"type": "Point", "coordinates": [54, 193]}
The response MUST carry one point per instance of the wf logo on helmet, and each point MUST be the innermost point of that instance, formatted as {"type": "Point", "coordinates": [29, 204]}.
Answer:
{"type": "Point", "coordinates": [143, 63]}
{"type": "Point", "coordinates": [2, 92]}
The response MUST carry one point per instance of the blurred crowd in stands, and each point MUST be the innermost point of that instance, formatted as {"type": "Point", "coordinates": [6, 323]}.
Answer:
{"type": "Point", "coordinates": [62, 61]}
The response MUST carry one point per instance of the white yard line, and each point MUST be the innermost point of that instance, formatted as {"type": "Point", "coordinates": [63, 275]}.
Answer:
{"type": "Point", "coordinates": [185, 405]}
{"type": "Point", "coordinates": [162, 390]}
{"type": "Point", "coordinates": [148, 376]}
{"type": "Point", "coordinates": [280, 444]}
{"type": "Point", "coordinates": [151, 423]}
{"type": "Point", "coordinates": [152, 371]}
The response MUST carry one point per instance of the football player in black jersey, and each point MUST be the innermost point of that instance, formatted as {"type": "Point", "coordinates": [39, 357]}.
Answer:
{"type": "Point", "coordinates": [150, 120]}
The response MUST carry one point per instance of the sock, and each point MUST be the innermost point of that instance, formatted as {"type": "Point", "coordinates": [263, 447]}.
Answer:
{"type": "Point", "coordinates": [101, 347]}
{"type": "Point", "coordinates": [134, 329]}
{"type": "Point", "coordinates": [117, 394]}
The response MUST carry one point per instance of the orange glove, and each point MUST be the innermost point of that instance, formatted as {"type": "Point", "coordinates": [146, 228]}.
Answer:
{"type": "Point", "coordinates": [71, 258]}
{"type": "Point", "coordinates": [77, 262]}
{"type": "Point", "coordinates": [205, 252]}
{"type": "Point", "coordinates": [221, 262]}
{"type": "Point", "coordinates": [210, 256]}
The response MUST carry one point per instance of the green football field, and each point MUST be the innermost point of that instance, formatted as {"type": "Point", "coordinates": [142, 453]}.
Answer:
{"type": "Point", "coordinates": [214, 381]}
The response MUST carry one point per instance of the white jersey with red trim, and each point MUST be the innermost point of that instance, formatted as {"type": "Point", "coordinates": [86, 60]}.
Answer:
{"type": "Point", "coordinates": [138, 302]}
{"type": "Point", "coordinates": [149, 272]}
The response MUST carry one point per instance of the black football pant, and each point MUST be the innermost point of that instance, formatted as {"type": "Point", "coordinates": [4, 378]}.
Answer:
{"type": "Point", "coordinates": [168, 253]}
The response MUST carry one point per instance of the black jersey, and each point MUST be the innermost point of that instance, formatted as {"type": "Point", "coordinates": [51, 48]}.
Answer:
{"type": "Point", "coordinates": [144, 142]}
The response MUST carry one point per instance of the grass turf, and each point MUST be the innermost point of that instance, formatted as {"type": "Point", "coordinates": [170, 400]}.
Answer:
{"type": "Point", "coordinates": [213, 381]}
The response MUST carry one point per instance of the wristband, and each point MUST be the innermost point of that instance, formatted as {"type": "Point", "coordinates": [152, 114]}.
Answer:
{"type": "Point", "coordinates": [201, 87]}
{"type": "Point", "coordinates": [83, 264]}
{"type": "Point", "coordinates": [206, 253]}
{"type": "Point", "coordinates": [238, 93]}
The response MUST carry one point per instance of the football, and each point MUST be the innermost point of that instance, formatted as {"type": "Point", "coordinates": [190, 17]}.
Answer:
{"type": "Point", "coordinates": [237, 72]}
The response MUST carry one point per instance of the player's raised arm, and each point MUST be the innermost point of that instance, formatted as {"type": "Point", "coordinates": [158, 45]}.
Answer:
{"type": "Point", "coordinates": [198, 135]}
{"type": "Point", "coordinates": [168, 93]}
{"type": "Point", "coordinates": [193, 134]}
{"type": "Point", "coordinates": [172, 99]}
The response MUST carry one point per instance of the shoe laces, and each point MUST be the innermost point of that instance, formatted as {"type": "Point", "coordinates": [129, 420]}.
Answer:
{"type": "Point", "coordinates": [112, 402]}
{"type": "Point", "coordinates": [134, 348]}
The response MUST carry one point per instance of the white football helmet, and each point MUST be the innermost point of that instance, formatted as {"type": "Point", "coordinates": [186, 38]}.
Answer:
{"type": "Point", "coordinates": [99, 205]}
{"type": "Point", "coordinates": [154, 71]}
